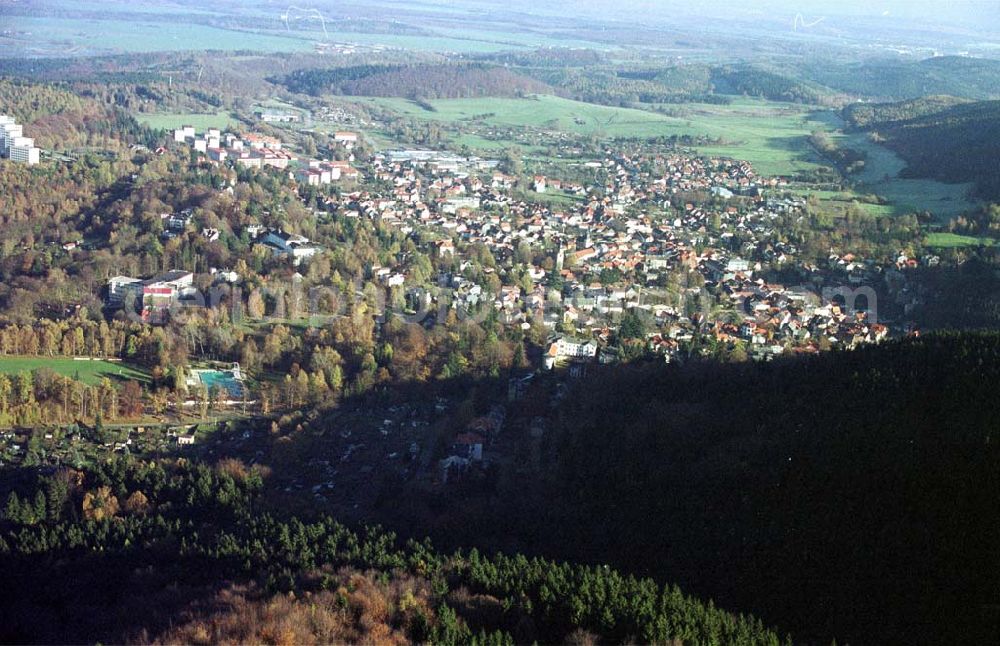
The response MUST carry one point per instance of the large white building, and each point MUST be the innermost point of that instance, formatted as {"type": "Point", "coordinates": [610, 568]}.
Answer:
{"type": "Point", "coordinates": [153, 296]}
{"type": "Point", "coordinates": [22, 149]}
{"type": "Point", "coordinates": [8, 130]}
{"type": "Point", "coordinates": [14, 145]}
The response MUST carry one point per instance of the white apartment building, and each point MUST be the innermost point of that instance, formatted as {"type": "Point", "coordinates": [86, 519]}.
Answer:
{"type": "Point", "coordinates": [7, 133]}
{"type": "Point", "coordinates": [14, 145]}
{"type": "Point", "coordinates": [23, 150]}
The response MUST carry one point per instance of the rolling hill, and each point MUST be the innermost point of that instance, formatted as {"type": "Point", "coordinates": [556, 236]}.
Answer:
{"type": "Point", "coordinates": [972, 78]}
{"type": "Point", "coordinates": [426, 81]}
{"type": "Point", "coordinates": [940, 137]}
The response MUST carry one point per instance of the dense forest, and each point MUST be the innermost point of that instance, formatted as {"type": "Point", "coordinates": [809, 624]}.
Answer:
{"type": "Point", "coordinates": [449, 81]}
{"type": "Point", "coordinates": [610, 84]}
{"type": "Point", "coordinates": [880, 115]}
{"type": "Point", "coordinates": [889, 79]}
{"type": "Point", "coordinates": [758, 82]}
{"type": "Point", "coordinates": [583, 76]}
{"type": "Point", "coordinates": [63, 117]}
{"type": "Point", "coordinates": [798, 488]}
{"type": "Point", "coordinates": [146, 551]}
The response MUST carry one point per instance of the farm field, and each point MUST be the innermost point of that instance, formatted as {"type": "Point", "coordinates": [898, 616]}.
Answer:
{"type": "Point", "coordinates": [76, 36]}
{"type": "Point", "coordinates": [173, 120]}
{"type": "Point", "coordinates": [97, 29]}
{"type": "Point", "coordinates": [516, 38]}
{"type": "Point", "coordinates": [89, 372]}
{"type": "Point", "coordinates": [770, 135]}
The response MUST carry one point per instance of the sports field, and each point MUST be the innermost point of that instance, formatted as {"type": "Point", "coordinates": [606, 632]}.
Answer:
{"type": "Point", "coordinates": [954, 240]}
{"type": "Point", "coordinates": [173, 120]}
{"type": "Point", "coordinates": [89, 372]}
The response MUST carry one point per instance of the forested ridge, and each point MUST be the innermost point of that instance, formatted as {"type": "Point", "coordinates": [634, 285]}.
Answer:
{"type": "Point", "coordinates": [425, 81]}
{"type": "Point", "coordinates": [880, 115]}
{"type": "Point", "coordinates": [840, 495]}
{"type": "Point", "coordinates": [835, 496]}
{"type": "Point", "coordinates": [890, 79]}
{"type": "Point", "coordinates": [678, 83]}
{"type": "Point", "coordinates": [583, 78]}
{"type": "Point", "coordinates": [759, 82]}
{"type": "Point", "coordinates": [939, 137]}
{"type": "Point", "coordinates": [59, 117]}
{"type": "Point", "coordinates": [130, 549]}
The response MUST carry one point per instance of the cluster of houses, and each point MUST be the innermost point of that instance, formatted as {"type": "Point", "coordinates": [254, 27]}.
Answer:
{"type": "Point", "coordinates": [255, 150]}
{"type": "Point", "coordinates": [631, 245]}
{"type": "Point", "coordinates": [618, 250]}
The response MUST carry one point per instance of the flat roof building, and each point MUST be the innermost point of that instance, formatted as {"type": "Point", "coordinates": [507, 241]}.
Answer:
{"type": "Point", "coordinates": [14, 145]}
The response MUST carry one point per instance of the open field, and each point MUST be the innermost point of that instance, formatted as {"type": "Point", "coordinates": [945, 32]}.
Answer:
{"type": "Point", "coordinates": [879, 209]}
{"type": "Point", "coordinates": [89, 372]}
{"type": "Point", "coordinates": [770, 135]}
{"type": "Point", "coordinates": [954, 240]}
{"type": "Point", "coordinates": [881, 176]}
{"type": "Point", "coordinates": [173, 120]}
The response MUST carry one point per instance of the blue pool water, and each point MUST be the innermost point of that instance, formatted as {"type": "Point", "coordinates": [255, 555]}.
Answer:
{"type": "Point", "coordinates": [222, 379]}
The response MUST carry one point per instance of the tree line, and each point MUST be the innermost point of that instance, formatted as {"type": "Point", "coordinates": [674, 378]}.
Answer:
{"type": "Point", "coordinates": [425, 81]}
{"type": "Point", "coordinates": [128, 528]}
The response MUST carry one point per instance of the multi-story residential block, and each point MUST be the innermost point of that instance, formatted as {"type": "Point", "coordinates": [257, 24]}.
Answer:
{"type": "Point", "coordinates": [14, 145]}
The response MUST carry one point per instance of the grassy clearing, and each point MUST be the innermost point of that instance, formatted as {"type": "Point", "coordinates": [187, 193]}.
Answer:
{"type": "Point", "coordinates": [954, 240]}
{"type": "Point", "coordinates": [89, 372]}
{"type": "Point", "coordinates": [878, 209]}
{"type": "Point", "coordinates": [173, 120]}
{"type": "Point", "coordinates": [881, 175]}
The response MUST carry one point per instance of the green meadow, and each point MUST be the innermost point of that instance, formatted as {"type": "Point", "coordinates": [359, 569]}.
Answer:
{"type": "Point", "coordinates": [89, 372]}
{"type": "Point", "coordinates": [881, 175]}
{"type": "Point", "coordinates": [953, 240]}
{"type": "Point", "coordinates": [770, 135]}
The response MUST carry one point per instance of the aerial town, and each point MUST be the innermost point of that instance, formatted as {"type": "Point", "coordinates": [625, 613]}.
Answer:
{"type": "Point", "coordinates": [673, 255]}
{"type": "Point", "coordinates": [484, 324]}
{"type": "Point", "coordinates": [576, 268]}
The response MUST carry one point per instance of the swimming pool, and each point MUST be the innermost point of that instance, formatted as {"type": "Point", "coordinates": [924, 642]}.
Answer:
{"type": "Point", "coordinates": [223, 379]}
